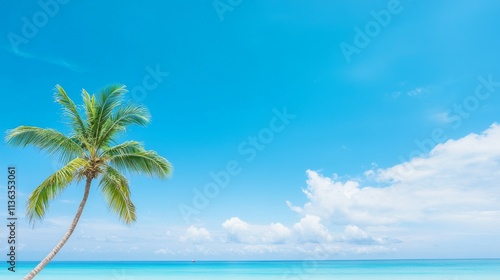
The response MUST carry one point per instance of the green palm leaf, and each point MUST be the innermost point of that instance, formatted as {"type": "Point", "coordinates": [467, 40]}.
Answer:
{"type": "Point", "coordinates": [127, 147]}
{"type": "Point", "coordinates": [88, 105]}
{"type": "Point", "coordinates": [115, 189]}
{"type": "Point", "coordinates": [123, 117]}
{"type": "Point", "coordinates": [109, 99]}
{"type": "Point", "coordinates": [70, 110]}
{"type": "Point", "coordinates": [141, 162]}
{"type": "Point", "coordinates": [39, 199]}
{"type": "Point", "coordinates": [48, 140]}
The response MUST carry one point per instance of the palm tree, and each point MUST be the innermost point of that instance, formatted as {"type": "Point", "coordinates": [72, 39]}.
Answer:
{"type": "Point", "coordinates": [90, 152]}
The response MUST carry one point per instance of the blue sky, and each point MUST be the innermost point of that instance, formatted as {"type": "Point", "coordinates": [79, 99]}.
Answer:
{"type": "Point", "coordinates": [387, 150]}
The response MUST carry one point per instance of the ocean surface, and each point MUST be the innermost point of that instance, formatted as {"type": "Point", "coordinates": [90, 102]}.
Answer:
{"type": "Point", "coordinates": [263, 270]}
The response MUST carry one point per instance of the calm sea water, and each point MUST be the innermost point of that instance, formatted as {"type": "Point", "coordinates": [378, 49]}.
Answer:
{"type": "Point", "coordinates": [293, 270]}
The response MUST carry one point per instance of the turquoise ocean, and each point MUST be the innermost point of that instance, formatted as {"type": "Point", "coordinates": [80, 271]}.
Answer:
{"type": "Point", "coordinates": [477, 269]}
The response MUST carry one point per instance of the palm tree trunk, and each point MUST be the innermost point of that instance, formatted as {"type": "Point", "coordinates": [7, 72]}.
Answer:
{"type": "Point", "coordinates": [65, 238]}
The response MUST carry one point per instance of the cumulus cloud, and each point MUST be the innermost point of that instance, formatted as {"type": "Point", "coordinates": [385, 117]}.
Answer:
{"type": "Point", "coordinates": [327, 197]}
{"type": "Point", "coordinates": [196, 235]}
{"type": "Point", "coordinates": [276, 233]}
{"type": "Point", "coordinates": [452, 189]}
{"type": "Point", "coordinates": [308, 237]}
{"type": "Point", "coordinates": [357, 236]}
{"type": "Point", "coordinates": [242, 232]}
{"type": "Point", "coordinates": [310, 229]}
{"type": "Point", "coordinates": [238, 230]}
{"type": "Point", "coordinates": [456, 182]}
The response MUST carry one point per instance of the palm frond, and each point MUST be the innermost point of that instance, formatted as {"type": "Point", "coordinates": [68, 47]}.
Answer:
{"type": "Point", "coordinates": [39, 199]}
{"type": "Point", "coordinates": [115, 189]}
{"type": "Point", "coordinates": [121, 118]}
{"type": "Point", "coordinates": [134, 159]}
{"type": "Point", "coordinates": [109, 99]}
{"type": "Point", "coordinates": [88, 105]}
{"type": "Point", "coordinates": [127, 147]}
{"type": "Point", "coordinates": [50, 141]}
{"type": "Point", "coordinates": [70, 110]}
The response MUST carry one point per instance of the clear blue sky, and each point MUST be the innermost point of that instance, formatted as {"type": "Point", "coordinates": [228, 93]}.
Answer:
{"type": "Point", "coordinates": [367, 86]}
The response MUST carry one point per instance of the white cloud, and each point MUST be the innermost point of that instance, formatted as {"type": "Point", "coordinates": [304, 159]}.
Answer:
{"type": "Point", "coordinates": [310, 229]}
{"type": "Point", "coordinates": [238, 230]}
{"type": "Point", "coordinates": [196, 235]}
{"type": "Point", "coordinates": [471, 159]}
{"type": "Point", "coordinates": [355, 233]}
{"type": "Point", "coordinates": [457, 182]}
{"type": "Point", "coordinates": [242, 232]}
{"type": "Point", "coordinates": [328, 198]}
{"type": "Point", "coordinates": [276, 233]}
{"type": "Point", "coordinates": [294, 208]}
{"type": "Point", "coordinates": [357, 236]}
{"type": "Point", "coordinates": [308, 237]}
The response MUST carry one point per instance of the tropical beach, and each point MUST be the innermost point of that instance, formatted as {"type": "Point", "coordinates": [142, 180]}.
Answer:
{"type": "Point", "coordinates": [250, 140]}
{"type": "Point", "coordinates": [268, 270]}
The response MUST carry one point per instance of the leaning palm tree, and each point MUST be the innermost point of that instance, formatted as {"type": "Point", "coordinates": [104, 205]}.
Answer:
{"type": "Point", "coordinates": [90, 152]}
